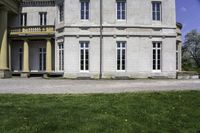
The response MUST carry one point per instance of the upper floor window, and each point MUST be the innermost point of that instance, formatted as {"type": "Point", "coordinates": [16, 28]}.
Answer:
{"type": "Point", "coordinates": [121, 9]}
{"type": "Point", "coordinates": [156, 11]}
{"type": "Point", "coordinates": [85, 5]}
{"type": "Point", "coordinates": [23, 19]}
{"type": "Point", "coordinates": [43, 18]}
{"type": "Point", "coordinates": [61, 12]}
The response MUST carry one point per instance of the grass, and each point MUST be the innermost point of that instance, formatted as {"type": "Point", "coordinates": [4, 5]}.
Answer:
{"type": "Point", "coordinates": [166, 112]}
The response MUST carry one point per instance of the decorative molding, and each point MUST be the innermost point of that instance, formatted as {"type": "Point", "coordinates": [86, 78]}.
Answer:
{"type": "Point", "coordinates": [37, 3]}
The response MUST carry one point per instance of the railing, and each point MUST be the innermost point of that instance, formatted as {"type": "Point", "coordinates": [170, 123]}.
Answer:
{"type": "Point", "coordinates": [49, 29]}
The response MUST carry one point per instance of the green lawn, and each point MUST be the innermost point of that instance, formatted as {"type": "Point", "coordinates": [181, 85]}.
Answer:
{"type": "Point", "coordinates": [166, 112]}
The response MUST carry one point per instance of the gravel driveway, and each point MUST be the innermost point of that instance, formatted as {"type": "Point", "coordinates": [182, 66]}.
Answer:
{"type": "Point", "coordinates": [57, 86]}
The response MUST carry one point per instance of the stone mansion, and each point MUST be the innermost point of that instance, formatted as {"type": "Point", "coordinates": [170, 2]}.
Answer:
{"type": "Point", "coordinates": [90, 38]}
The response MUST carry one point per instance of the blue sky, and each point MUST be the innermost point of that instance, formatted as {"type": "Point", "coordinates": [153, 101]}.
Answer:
{"type": "Point", "coordinates": [188, 13]}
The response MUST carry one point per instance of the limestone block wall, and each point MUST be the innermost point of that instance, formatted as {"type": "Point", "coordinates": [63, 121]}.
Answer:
{"type": "Point", "coordinates": [138, 30]}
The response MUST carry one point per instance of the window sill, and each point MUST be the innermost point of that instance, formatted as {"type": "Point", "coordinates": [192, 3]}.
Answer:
{"type": "Point", "coordinates": [121, 71]}
{"type": "Point", "coordinates": [156, 71]}
{"type": "Point", "coordinates": [84, 71]}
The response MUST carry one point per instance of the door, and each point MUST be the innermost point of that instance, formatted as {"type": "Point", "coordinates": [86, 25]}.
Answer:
{"type": "Point", "coordinates": [42, 59]}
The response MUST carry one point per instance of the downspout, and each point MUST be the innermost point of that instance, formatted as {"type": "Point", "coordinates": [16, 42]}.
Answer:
{"type": "Point", "coordinates": [101, 38]}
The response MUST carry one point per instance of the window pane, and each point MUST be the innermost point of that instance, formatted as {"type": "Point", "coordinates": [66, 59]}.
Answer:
{"type": "Point", "coordinates": [154, 64]}
{"type": "Point", "coordinates": [87, 6]}
{"type": "Point", "coordinates": [123, 15]}
{"type": "Point", "coordinates": [118, 45]}
{"type": "Point", "coordinates": [158, 7]}
{"type": "Point", "coordinates": [82, 6]}
{"type": "Point", "coordinates": [123, 44]}
{"type": "Point", "coordinates": [87, 15]}
{"type": "Point", "coordinates": [118, 15]}
{"type": "Point", "coordinates": [123, 64]}
{"type": "Point", "coordinates": [158, 15]}
{"type": "Point", "coordinates": [158, 45]}
{"type": "Point", "coordinates": [154, 45]}
{"type": "Point", "coordinates": [123, 6]}
{"type": "Point", "coordinates": [118, 6]}
{"type": "Point", "coordinates": [86, 45]}
{"type": "Point", "coordinates": [118, 54]}
{"type": "Point", "coordinates": [154, 16]}
{"type": "Point", "coordinates": [123, 54]}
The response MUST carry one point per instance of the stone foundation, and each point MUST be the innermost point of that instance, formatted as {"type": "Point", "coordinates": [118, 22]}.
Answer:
{"type": "Point", "coordinates": [5, 74]}
{"type": "Point", "coordinates": [25, 75]}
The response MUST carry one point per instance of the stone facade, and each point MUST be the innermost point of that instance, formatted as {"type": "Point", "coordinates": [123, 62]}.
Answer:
{"type": "Point", "coordinates": [102, 31]}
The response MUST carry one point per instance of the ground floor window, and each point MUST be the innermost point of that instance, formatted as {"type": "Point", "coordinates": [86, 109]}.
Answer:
{"type": "Point", "coordinates": [121, 56]}
{"type": "Point", "coordinates": [61, 56]}
{"type": "Point", "coordinates": [177, 56]}
{"type": "Point", "coordinates": [20, 59]}
{"type": "Point", "coordinates": [157, 52]}
{"type": "Point", "coordinates": [84, 56]}
{"type": "Point", "coordinates": [42, 59]}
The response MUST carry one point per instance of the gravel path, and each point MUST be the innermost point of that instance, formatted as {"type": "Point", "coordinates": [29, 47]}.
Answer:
{"type": "Point", "coordinates": [57, 86]}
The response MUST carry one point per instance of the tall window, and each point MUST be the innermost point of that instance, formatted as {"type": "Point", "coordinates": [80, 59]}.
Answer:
{"type": "Point", "coordinates": [85, 10]}
{"type": "Point", "coordinates": [61, 12]}
{"type": "Point", "coordinates": [42, 59]}
{"type": "Point", "coordinates": [156, 11]}
{"type": "Point", "coordinates": [23, 19]}
{"type": "Point", "coordinates": [84, 56]}
{"type": "Point", "coordinates": [61, 56]}
{"type": "Point", "coordinates": [121, 9]}
{"type": "Point", "coordinates": [43, 18]}
{"type": "Point", "coordinates": [177, 56]}
{"type": "Point", "coordinates": [121, 56]}
{"type": "Point", "coordinates": [157, 52]}
{"type": "Point", "coordinates": [20, 59]}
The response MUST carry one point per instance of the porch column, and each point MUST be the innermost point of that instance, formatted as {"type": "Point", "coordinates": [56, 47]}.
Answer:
{"type": "Point", "coordinates": [3, 40]}
{"type": "Point", "coordinates": [26, 57]}
{"type": "Point", "coordinates": [49, 56]}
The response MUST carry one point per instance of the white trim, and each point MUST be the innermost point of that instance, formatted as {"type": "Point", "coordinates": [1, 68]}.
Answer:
{"type": "Point", "coordinates": [156, 71]}
{"type": "Point", "coordinates": [61, 59]}
{"type": "Point", "coordinates": [122, 20]}
{"type": "Point", "coordinates": [156, 48]}
{"type": "Point", "coordinates": [84, 71]}
{"type": "Point", "coordinates": [121, 48]}
{"type": "Point", "coordinates": [43, 53]}
{"type": "Point", "coordinates": [156, 21]}
{"type": "Point", "coordinates": [89, 9]}
{"type": "Point", "coordinates": [58, 7]}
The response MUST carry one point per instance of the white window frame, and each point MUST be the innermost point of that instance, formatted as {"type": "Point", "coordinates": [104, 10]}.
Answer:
{"type": "Point", "coordinates": [20, 54]}
{"type": "Point", "coordinates": [42, 60]}
{"type": "Point", "coordinates": [121, 48]}
{"type": "Point", "coordinates": [23, 19]}
{"type": "Point", "coordinates": [85, 10]}
{"type": "Point", "coordinates": [177, 57]}
{"type": "Point", "coordinates": [61, 56]}
{"type": "Point", "coordinates": [61, 13]}
{"type": "Point", "coordinates": [152, 12]}
{"type": "Point", "coordinates": [157, 48]}
{"type": "Point", "coordinates": [84, 48]}
{"type": "Point", "coordinates": [42, 18]}
{"type": "Point", "coordinates": [121, 11]}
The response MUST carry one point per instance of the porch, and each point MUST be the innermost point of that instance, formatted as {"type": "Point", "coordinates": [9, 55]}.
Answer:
{"type": "Point", "coordinates": [32, 50]}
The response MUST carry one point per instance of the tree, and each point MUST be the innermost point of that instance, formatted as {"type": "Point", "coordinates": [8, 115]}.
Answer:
{"type": "Point", "coordinates": [192, 46]}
